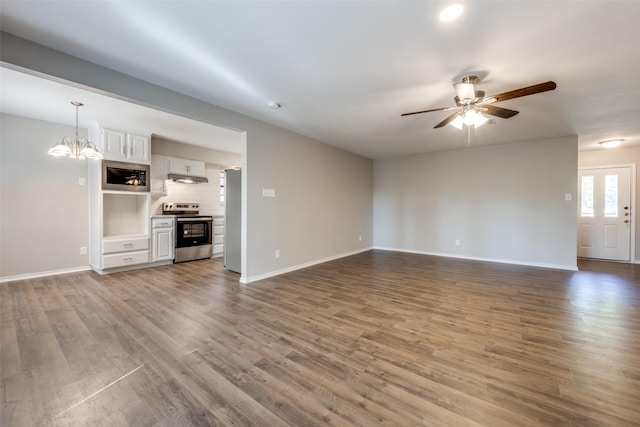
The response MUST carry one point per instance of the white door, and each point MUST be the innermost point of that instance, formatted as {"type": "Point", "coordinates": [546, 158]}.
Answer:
{"type": "Point", "coordinates": [604, 213]}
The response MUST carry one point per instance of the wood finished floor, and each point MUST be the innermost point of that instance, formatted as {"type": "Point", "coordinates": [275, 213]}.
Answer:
{"type": "Point", "coordinates": [379, 338]}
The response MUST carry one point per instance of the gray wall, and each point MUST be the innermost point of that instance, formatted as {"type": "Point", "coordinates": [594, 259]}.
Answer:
{"type": "Point", "coordinates": [503, 202]}
{"type": "Point", "coordinates": [614, 157]}
{"type": "Point", "coordinates": [323, 203]}
{"type": "Point", "coordinates": [44, 212]}
{"type": "Point", "coordinates": [273, 158]}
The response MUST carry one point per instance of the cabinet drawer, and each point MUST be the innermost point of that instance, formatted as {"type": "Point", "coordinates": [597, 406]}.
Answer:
{"type": "Point", "coordinates": [125, 245]}
{"type": "Point", "coordinates": [124, 259]}
{"type": "Point", "coordinates": [161, 222]}
{"type": "Point", "coordinates": [218, 239]}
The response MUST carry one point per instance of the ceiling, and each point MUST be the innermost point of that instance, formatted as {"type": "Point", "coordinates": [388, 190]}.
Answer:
{"type": "Point", "coordinates": [22, 95]}
{"type": "Point", "coordinates": [344, 71]}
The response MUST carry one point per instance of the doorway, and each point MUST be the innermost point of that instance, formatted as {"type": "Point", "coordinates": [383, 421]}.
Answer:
{"type": "Point", "coordinates": [605, 213]}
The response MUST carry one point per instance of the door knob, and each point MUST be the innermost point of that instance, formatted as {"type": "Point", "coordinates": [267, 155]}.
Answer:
{"type": "Point", "coordinates": [626, 221]}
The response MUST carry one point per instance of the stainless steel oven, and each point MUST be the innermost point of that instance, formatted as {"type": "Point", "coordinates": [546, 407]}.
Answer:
{"type": "Point", "coordinates": [193, 238]}
{"type": "Point", "coordinates": [194, 232]}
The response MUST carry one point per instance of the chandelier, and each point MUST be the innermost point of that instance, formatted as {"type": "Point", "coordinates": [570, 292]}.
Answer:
{"type": "Point", "coordinates": [77, 148]}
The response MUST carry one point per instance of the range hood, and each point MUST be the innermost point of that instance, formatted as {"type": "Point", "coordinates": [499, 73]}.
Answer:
{"type": "Point", "coordinates": [187, 179]}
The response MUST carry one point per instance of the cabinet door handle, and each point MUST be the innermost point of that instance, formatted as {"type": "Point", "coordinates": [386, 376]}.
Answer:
{"type": "Point", "coordinates": [127, 259]}
{"type": "Point", "coordinates": [127, 245]}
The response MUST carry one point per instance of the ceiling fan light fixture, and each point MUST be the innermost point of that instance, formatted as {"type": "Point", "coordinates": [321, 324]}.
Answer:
{"type": "Point", "coordinates": [612, 143]}
{"type": "Point", "coordinates": [470, 118]}
{"type": "Point", "coordinates": [465, 91]}
{"type": "Point", "coordinates": [458, 122]}
{"type": "Point", "coordinates": [479, 120]}
{"type": "Point", "coordinates": [451, 12]}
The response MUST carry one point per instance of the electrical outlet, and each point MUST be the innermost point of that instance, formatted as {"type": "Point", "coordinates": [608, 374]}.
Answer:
{"type": "Point", "coordinates": [457, 242]}
{"type": "Point", "coordinates": [277, 253]}
{"type": "Point", "coordinates": [83, 250]}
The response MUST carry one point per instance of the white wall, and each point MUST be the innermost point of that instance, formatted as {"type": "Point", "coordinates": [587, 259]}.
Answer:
{"type": "Point", "coordinates": [273, 158]}
{"type": "Point", "coordinates": [504, 203]}
{"type": "Point", "coordinates": [44, 213]}
{"type": "Point", "coordinates": [614, 157]}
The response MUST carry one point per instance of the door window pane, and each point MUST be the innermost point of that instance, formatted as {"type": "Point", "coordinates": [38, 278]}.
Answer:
{"type": "Point", "coordinates": [586, 196]}
{"type": "Point", "coordinates": [611, 196]}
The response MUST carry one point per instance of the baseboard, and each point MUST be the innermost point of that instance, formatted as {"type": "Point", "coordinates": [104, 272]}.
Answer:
{"type": "Point", "coordinates": [472, 258]}
{"type": "Point", "coordinates": [132, 267]}
{"type": "Point", "coordinates": [42, 274]}
{"type": "Point", "coordinates": [255, 278]}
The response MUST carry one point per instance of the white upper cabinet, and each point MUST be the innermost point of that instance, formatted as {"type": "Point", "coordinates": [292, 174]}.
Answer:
{"type": "Point", "coordinates": [186, 167]}
{"type": "Point", "coordinates": [125, 147]}
{"type": "Point", "coordinates": [138, 146]}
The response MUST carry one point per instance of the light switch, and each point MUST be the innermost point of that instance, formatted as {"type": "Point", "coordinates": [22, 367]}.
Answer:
{"type": "Point", "coordinates": [567, 197]}
{"type": "Point", "coordinates": [81, 181]}
{"type": "Point", "coordinates": [268, 192]}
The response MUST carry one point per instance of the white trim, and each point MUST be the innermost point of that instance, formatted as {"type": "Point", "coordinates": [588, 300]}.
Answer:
{"type": "Point", "coordinates": [244, 210]}
{"type": "Point", "coordinates": [42, 274]}
{"type": "Point", "coordinates": [634, 217]}
{"type": "Point", "coordinates": [247, 280]}
{"type": "Point", "coordinates": [472, 258]}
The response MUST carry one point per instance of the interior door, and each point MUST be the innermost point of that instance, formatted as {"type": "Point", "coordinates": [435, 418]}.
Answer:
{"type": "Point", "coordinates": [604, 213]}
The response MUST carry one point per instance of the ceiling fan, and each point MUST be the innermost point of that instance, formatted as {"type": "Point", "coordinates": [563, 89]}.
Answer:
{"type": "Point", "coordinates": [473, 104]}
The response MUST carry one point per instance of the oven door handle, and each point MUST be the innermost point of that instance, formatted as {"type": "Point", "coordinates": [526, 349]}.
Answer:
{"type": "Point", "coordinates": [193, 219]}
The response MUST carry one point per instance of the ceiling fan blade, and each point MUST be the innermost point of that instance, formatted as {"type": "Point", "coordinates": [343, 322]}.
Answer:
{"type": "Point", "coordinates": [503, 113]}
{"type": "Point", "coordinates": [446, 121]}
{"type": "Point", "coordinates": [428, 111]}
{"type": "Point", "coordinates": [529, 90]}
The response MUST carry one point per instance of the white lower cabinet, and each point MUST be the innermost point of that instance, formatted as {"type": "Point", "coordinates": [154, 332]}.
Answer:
{"type": "Point", "coordinates": [218, 236]}
{"type": "Point", "coordinates": [129, 244]}
{"type": "Point", "coordinates": [125, 259]}
{"type": "Point", "coordinates": [162, 231]}
{"type": "Point", "coordinates": [122, 252]}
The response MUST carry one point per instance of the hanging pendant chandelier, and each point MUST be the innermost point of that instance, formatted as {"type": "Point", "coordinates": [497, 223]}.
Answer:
{"type": "Point", "coordinates": [77, 148]}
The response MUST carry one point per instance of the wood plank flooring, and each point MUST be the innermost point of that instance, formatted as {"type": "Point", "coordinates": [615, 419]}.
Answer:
{"type": "Point", "coordinates": [376, 339]}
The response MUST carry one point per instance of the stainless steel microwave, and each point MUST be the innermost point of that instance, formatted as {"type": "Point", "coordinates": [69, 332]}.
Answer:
{"type": "Point", "coordinates": [125, 176]}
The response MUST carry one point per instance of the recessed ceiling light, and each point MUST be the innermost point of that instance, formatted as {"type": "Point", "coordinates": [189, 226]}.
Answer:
{"type": "Point", "coordinates": [274, 105]}
{"type": "Point", "coordinates": [612, 143]}
{"type": "Point", "coordinates": [451, 12]}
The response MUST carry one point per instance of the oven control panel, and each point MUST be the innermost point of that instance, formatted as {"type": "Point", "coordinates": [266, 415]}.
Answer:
{"type": "Point", "coordinates": [170, 207]}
